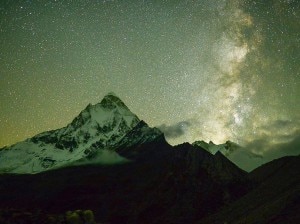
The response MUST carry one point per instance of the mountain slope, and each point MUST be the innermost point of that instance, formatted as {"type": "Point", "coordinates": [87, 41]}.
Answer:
{"type": "Point", "coordinates": [97, 129]}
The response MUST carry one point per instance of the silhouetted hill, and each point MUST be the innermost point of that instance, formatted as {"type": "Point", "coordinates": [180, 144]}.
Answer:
{"type": "Point", "coordinates": [172, 185]}
{"type": "Point", "coordinates": [275, 197]}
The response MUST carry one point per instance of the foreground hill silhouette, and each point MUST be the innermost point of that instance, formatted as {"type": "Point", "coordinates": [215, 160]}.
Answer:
{"type": "Point", "coordinates": [109, 162]}
{"type": "Point", "coordinates": [274, 197]}
{"type": "Point", "coordinates": [172, 188]}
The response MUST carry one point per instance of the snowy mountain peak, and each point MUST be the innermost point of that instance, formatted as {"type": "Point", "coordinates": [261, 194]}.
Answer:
{"type": "Point", "coordinates": [111, 100]}
{"type": "Point", "coordinates": [97, 128]}
{"type": "Point", "coordinates": [110, 109]}
{"type": "Point", "coordinates": [105, 122]}
{"type": "Point", "coordinates": [111, 94]}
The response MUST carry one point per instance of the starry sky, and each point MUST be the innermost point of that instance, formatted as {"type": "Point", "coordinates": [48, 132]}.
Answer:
{"type": "Point", "coordinates": [199, 70]}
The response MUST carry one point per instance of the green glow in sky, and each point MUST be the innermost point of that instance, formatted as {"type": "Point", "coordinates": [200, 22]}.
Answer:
{"type": "Point", "coordinates": [215, 70]}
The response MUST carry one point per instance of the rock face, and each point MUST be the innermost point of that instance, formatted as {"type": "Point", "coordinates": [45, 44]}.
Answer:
{"type": "Point", "coordinates": [96, 132]}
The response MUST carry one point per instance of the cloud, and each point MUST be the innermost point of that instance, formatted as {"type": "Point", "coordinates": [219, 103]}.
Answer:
{"type": "Point", "coordinates": [281, 137]}
{"type": "Point", "coordinates": [282, 126]}
{"type": "Point", "coordinates": [288, 148]}
{"type": "Point", "coordinates": [267, 148]}
{"type": "Point", "coordinates": [277, 139]}
{"type": "Point", "coordinates": [175, 130]}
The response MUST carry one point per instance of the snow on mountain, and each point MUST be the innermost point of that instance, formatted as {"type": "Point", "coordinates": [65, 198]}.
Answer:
{"type": "Point", "coordinates": [225, 148]}
{"type": "Point", "coordinates": [142, 133]}
{"type": "Point", "coordinates": [89, 138]}
{"type": "Point", "coordinates": [243, 158]}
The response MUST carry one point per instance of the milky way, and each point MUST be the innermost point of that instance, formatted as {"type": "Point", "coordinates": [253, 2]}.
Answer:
{"type": "Point", "coordinates": [213, 70]}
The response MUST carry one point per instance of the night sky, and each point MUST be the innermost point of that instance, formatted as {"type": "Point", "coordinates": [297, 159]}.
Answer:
{"type": "Point", "coordinates": [200, 70]}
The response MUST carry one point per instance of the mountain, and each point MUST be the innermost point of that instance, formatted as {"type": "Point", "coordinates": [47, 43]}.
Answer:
{"type": "Point", "coordinates": [147, 181]}
{"type": "Point", "coordinates": [243, 158]}
{"type": "Point", "coordinates": [145, 178]}
{"type": "Point", "coordinates": [91, 137]}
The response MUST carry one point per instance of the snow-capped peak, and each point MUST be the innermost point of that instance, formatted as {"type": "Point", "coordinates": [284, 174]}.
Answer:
{"type": "Point", "coordinates": [112, 100]}
{"type": "Point", "coordinates": [112, 94]}
{"type": "Point", "coordinates": [98, 127]}
{"type": "Point", "coordinates": [110, 106]}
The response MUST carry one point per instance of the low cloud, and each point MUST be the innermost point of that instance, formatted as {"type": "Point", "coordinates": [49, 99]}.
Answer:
{"type": "Point", "coordinates": [288, 148]}
{"type": "Point", "coordinates": [282, 126]}
{"type": "Point", "coordinates": [175, 130]}
{"type": "Point", "coordinates": [280, 138]}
